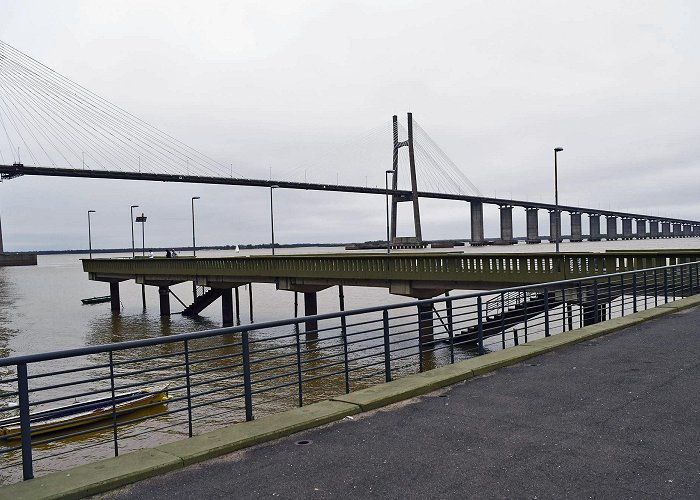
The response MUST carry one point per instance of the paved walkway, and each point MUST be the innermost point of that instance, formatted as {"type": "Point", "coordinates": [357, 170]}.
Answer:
{"type": "Point", "coordinates": [617, 417]}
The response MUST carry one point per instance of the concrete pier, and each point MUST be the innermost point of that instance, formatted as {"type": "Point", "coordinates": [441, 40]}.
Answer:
{"type": "Point", "coordinates": [164, 295]}
{"type": "Point", "coordinates": [612, 227]}
{"type": "Point", "coordinates": [311, 309]}
{"type": "Point", "coordinates": [665, 229]}
{"type": "Point", "coordinates": [687, 230]}
{"type": "Point", "coordinates": [626, 228]}
{"type": "Point", "coordinates": [696, 230]}
{"type": "Point", "coordinates": [227, 307]}
{"type": "Point", "coordinates": [477, 218]}
{"type": "Point", "coordinates": [594, 232]}
{"type": "Point", "coordinates": [506, 226]}
{"type": "Point", "coordinates": [114, 294]}
{"type": "Point", "coordinates": [677, 230]}
{"type": "Point", "coordinates": [533, 235]}
{"type": "Point", "coordinates": [641, 229]}
{"type": "Point", "coordinates": [554, 227]}
{"type": "Point", "coordinates": [425, 323]}
{"type": "Point", "coordinates": [654, 229]}
{"type": "Point", "coordinates": [576, 232]}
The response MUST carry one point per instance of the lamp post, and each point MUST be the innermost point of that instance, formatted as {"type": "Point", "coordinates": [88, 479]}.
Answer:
{"type": "Point", "coordinates": [142, 219]}
{"type": "Point", "coordinates": [90, 232]}
{"type": "Point", "coordinates": [194, 248]}
{"type": "Point", "coordinates": [133, 251]}
{"type": "Point", "coordinates": [194, 244]}
{"type": "Point", "coordinates": [386, 186]}
{"type": "Point", "coordinates": [556, 201]}
{"type": "Point", "coordinates": [272, 218]}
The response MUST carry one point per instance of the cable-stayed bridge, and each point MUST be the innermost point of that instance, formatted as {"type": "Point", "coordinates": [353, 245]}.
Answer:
{"type": "Point", "coordinates": [52, 126]}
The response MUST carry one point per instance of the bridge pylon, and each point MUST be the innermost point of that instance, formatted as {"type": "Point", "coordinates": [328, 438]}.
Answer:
{"type": "Point", "coordinates": [417, 241]}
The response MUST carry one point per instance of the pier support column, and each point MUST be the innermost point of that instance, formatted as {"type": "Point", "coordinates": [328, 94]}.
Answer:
{"type": "Point", "coordinates": [641, 229]}
{"type": "Point", "coordinates": [696, 230]}
{"type": "Point", "coordinates": [554, 227]}
{"type": "Point", "coordinates": [250, 300]}
{"type": "Point", "coordinates": [626, 228]}
{"type": "Point", "coordinates": [114, 294]}
{"type": "Point", "coordinates": [653, 229]}
{"type": "Point", "coordinates": [594, 232]}
{"type": "Point", "coordinates": [477, 229]}
{"type": "Point", "coordinates": [227, 306]}
{"type": "Point", "coordinates": [677, 230]}
{"type": "Point", "coordinates": [425, 324]}
{"type": "Point", "coordinates": [576, 232]}
{"type": "Point", "coordinates": [612, 227]}
{"type": "Point", "coordinates": [687, 230]}
{"type": "Point", "coordinates": [311, 309]}
{"type": "Point", "coordinates": [665, 229]}
{"type": "Point", "coordinates": [164, 294]}
{"type": "Point", "coordinates": [238, 308]}
{"type": "Point", "coordinates": [533, 231]}
{"type": "Point", "coordinates": [506, 226]}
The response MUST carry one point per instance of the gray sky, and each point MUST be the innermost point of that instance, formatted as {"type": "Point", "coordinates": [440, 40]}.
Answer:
{"type": "Point", "coordinates": [276, 85]}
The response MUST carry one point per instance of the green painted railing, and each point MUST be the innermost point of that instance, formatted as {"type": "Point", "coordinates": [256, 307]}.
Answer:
{"type": "Point", "coordinates": [494, 268]}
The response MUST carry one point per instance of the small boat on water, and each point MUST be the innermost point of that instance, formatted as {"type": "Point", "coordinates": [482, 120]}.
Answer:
{"type": "Point", "coordinates": [96, 300]}
{"type": "Point", "coordinates": [85, 412]}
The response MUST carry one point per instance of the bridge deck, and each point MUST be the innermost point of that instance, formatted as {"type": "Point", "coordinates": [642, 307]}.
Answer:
{"type": "Point", "coordinates": [413, 274]}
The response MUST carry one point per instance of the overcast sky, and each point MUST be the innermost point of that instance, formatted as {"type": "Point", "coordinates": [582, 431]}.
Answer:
{"type": "Point", "coordinates": [269, 86]}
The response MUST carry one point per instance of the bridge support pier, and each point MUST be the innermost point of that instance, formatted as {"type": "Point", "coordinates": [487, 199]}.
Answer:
{"type": "Point", "coordinates": [506, 226]}
{"type": "Point", "coordinates": [250, 300]}
{"type": "Point", "coordinates": [612, 227]}
{"type": "Point", "coordinates": [554, 226]}
{"type": "Point", "coordinates": [677, 230]}
{"type": "Point", "coordinates": [477, 218]}
{"type": "Point", "coordinates": [665, 229]}
{"type": "Point", "coordinates": [114, 294]}
{"type": "Point", "coordinates": [311, 309]}
{"type": "Point", "coordinates": [687, 230]}
{"type": "Point", "coordinates": [576, 232]}
{"type": "Point", "coordinates": [425, 324]}
{"type": "Point", "coordinates": [626, 228]}
{"type": "Point", "coordinates": [641, 229]}
{"type": "Point", "coordinates": [164, 294]}
{"type": "Point", "coordinates": [696, 230]}
{"type": "Point", "coordinates": [227, 306]}
{"type": "Point", "coordinates": [238, 307]}
{"type": "Point", "coordinates": [653, 229]}
{"type": "Point", "coordinates": [594, 221]}
{"type": "Point", "coordinates": [533, 235]}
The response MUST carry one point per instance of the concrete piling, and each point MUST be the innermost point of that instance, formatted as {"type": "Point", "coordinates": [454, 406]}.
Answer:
{"type": "Point", "coordinates": [594, 232]}
{"type": "Point", "coordinates": [532, 225]}
{"type": "Point", "coordinates": [576, 232]}
{"type": "Point", "coordinates": [164, 294]}
{"type": "Point", "coordinates": [506, 226]}
{"type": "Point", "coordinates": [612, 227]}
{"type": "Point", "coordinates": [477, 227]}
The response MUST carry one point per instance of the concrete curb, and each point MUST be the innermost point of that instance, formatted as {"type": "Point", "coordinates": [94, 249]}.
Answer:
{"type": "Point", "coordinates": [111, 473]}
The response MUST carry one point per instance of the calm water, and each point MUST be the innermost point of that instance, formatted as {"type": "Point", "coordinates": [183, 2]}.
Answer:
{"type": "Point", "coordinates": [40, 310]}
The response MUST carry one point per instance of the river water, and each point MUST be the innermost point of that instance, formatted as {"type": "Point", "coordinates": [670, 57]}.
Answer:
{"type": "Point", "coordinates": [40, 309]}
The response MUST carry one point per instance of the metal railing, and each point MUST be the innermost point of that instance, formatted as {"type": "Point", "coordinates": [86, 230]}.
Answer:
{"type": "Point", "coordinates": [235, 374]}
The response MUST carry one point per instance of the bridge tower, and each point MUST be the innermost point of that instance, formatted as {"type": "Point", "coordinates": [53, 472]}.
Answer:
{"type": "Point", "coordinates": [413, 196]}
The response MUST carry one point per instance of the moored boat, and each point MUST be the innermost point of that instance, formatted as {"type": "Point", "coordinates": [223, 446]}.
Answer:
{"type": "Point", "coordinates": [96, 300]}
{"type": "Point", "coordinates": [85, 412]}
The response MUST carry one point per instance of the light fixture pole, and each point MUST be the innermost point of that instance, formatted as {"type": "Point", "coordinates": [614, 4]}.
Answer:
{"type": "Point", "coordinates": [386, 186]}
{"type": "Point", "coordinates": [142, 219]}
{"type": "Point", "coordinates": [194, 241]}
{"type": "Point", "coordinates": [557, 217]}
{"type": "Point", "coordinates": [90, 232]}
{"type": "Point", "coordinates": [272, 218]}
{"type": "Point", "coordinates": [133, 250]}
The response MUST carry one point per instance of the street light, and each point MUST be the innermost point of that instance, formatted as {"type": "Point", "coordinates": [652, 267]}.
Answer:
{"type": "Point", "coordinates": [557, 217]}
{"type": "Point", "coordinates": [133, 251]}
{"type": "Point", "coordinates": [272, 218]}
{"type": "Point", "coordinates": [142, 219]}
{"type": "Point", "coordinates": [194, 244]}
{"type": "Point", "coordinates": [386, 185]}
{"type": "Point", "coordinates": [90, 231]}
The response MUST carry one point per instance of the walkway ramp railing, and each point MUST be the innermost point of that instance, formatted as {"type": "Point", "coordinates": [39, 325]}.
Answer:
{"type": "Point", "coordinates": [227, 375]}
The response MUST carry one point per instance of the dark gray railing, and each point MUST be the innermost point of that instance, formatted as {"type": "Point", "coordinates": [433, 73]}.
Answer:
{"type": "Point", "coordinates": [222, 376]}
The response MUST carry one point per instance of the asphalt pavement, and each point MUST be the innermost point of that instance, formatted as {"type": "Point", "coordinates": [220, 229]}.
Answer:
{"type": "Point", "coordinates": [615, 417]}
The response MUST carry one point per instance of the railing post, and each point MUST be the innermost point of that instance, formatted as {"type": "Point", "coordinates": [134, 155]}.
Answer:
{"type": "Point", "coordinates": [189, 388]}
{"type": "Point", "coordinates": [634, 292]}
{"type": "Point", "coordinates": [665, 285]}
{"type": "Point", "coordinates": [247, 385]}
{"type": "Point", "coordinates": [656, 288]}
{"type": "Point", "coordinates": [525, 312]}
{"type": "Point", "coordinates": [596, 311]}
{"type": "Point", "coordinates": [563, 309]}
{"type": "Point", "coordinates": [503, 320]}
{"type": "Point", "coordinates": [579, 296]}
{"type": "Point", "coordinates": [114, 403]}
{"type": "Point", "coordinates": [25, 430]}
{"type": "Point", "coordinates": [690, 279]}
{"type": "Point", "coordinates": [450, 329]}
{"type": "Point", "coordinates": [622, 295]}
{"type": "Point", "coordinates": [300, 377]}
{"type": "Point", "coordinates": [681, 269]}
{"type": "Point", "coordinates": [387, 347]}
{"type": "Point", "coordinates": [546, 312]}
{"type": "Point", "coordinates": [646, 291]}
{"type": "Point", "coordinates": [480, 322]}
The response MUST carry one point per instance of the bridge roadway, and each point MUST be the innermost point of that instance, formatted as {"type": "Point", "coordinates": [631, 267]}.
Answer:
{"type": "Point", "coordinates": [418, 275]}
{"type": "Point", "coordinates": [647, 226]}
